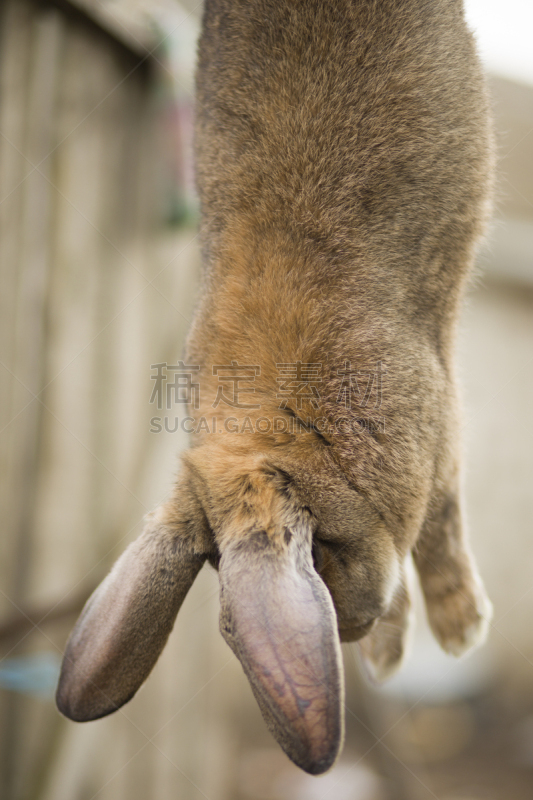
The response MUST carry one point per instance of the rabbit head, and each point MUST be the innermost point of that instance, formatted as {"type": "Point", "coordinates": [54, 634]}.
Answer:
{"type": "Point", "coordinates": [304, 561]}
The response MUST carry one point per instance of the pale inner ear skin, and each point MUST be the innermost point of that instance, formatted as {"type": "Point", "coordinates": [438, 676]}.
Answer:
{"type": "Point", "coordinates": [278, 618]}
{"type": "Point", "coordinates": [126, 623]}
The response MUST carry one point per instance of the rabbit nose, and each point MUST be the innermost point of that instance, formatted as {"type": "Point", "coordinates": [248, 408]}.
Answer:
{"type": "Point", "coordinates": [350, 630]}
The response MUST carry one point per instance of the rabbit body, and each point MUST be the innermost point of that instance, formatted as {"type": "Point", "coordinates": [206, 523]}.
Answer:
{"type": "Point", "coordinates": [344, 161]}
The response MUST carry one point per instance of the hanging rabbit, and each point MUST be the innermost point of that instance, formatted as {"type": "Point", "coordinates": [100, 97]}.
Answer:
{"type": "Point", "coordinates": [344, 166]}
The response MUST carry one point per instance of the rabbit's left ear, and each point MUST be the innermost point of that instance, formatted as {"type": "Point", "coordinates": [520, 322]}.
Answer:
{"type": "Point", "coordinates": [278, 617]}
{"type": "Point", "coordinates": [126, 622]}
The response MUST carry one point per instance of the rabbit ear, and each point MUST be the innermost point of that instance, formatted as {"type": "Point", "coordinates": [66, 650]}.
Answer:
{"type": "Point", "coordinates": [126, 622]}
{"type": "Point", "coordinates": [278, 618]}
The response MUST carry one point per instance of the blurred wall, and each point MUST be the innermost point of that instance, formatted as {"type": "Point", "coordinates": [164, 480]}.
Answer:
{"type": "Point", "coordinates": [89, 302]}
{"type": "Point", "coordinates": [497, 370]}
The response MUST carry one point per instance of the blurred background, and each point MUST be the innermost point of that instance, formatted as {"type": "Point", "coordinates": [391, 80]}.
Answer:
{"type": "Point", "coordinates": [99, 266]}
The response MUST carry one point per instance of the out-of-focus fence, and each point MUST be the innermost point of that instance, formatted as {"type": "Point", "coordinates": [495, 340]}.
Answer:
{"type": "Point", "coordinates": [87, 306]}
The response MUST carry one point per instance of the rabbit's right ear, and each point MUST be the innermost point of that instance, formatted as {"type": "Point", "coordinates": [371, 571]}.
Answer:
{"type": "Point", "coordinates": [126, 622]}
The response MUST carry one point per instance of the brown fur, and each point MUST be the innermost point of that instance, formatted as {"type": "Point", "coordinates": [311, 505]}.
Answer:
{"type": "Point", "coordinates": [344, 163]}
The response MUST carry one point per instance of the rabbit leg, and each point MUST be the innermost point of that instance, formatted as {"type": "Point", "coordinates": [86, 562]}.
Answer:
{"type": "Point", "coordinates": [384, 648]}
{"type": "Point", "coordinates": [459, 611]}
